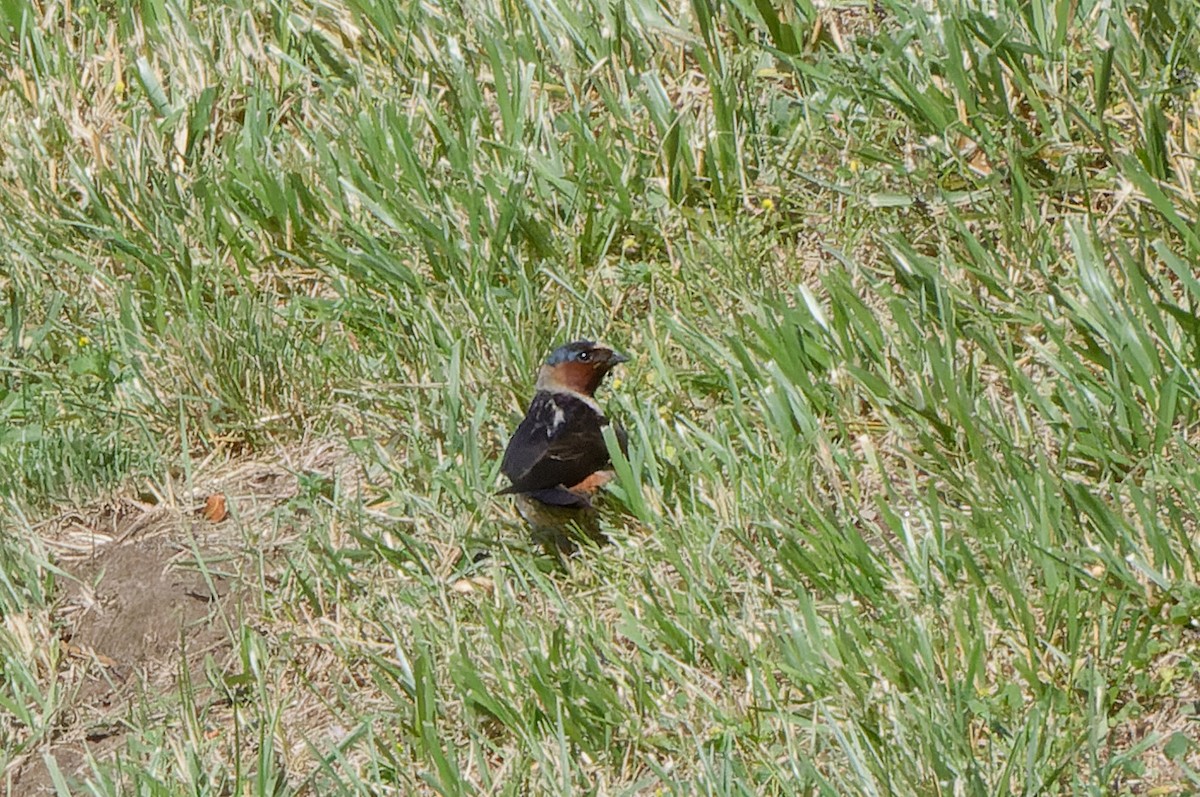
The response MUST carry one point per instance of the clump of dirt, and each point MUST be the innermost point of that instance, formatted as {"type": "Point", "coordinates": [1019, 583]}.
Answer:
{"type": "Point", "coordinates": [131, 614]}
{"type": "Point", "coordinates": [138, 601]}
{"type": "Point", "coordinates": [151, 591]}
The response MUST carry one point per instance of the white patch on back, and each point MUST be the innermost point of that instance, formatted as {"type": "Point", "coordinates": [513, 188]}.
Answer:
{"type": "Point", "coordinates": [558, 420]}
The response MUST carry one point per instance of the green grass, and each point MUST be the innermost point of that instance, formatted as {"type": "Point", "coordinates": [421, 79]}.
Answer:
{"type": "Point", "coordinates": [911, 291]}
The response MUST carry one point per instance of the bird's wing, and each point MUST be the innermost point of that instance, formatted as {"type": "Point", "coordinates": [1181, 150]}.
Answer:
{"type": "Point", "coordinates": [560, 442]}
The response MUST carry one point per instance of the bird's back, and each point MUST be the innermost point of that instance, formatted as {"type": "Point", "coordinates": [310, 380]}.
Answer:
{"type": "Point", "coordinates": [560, 442]}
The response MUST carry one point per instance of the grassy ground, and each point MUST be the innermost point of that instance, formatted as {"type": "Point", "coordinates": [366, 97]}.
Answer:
{"type": "Point", "coordinates": [911, 294]}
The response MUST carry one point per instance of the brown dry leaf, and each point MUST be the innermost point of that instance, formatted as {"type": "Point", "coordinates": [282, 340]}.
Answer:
{"type": "Point", "coordinates": [475, 584]}
{"type": "Point", "coordinates": [215, 509]}
{"type": "Point", "coordinates": [78, 652]}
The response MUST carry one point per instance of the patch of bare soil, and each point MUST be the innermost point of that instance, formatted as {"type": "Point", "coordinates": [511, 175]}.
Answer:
{"type": "Point", "coordinates": [128, 612]}
{"type": "Point", "coordinates": [151, 593]}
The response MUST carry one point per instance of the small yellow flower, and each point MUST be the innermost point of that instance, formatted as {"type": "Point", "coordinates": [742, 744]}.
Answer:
{"type": "Point", "coordinates": [768, 204]}
{"type": "Point", "coordinates": [855, 166]}
{"type": "Point", "coordinates": [617, 382]}
{"type": "Point", "coordinates": [84, 340]}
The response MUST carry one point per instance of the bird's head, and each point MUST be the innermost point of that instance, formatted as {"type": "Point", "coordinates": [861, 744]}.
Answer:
{"type": "Point", "coordinates": [578, 367]}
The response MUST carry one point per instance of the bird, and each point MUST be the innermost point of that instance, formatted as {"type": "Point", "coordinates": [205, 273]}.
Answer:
{"type": "Point", "coordinates": [557, 459]}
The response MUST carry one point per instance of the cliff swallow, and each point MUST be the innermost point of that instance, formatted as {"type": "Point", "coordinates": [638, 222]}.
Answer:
{"type": "Point", "coordinates": [557, 458]}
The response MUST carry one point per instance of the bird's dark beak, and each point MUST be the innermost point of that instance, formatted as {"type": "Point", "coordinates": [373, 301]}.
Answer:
{"type": "Point", "coordinates": [615, 358]}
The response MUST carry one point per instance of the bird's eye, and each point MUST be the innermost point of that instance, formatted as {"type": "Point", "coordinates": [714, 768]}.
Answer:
{"type": "Point", "coordinates": [585, 356]}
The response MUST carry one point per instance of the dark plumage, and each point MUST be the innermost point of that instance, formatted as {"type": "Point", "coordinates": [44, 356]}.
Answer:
{"type": "Point", "coordinates": [557, 456]}
{"type": "Point", "coordinates": [558, 445]}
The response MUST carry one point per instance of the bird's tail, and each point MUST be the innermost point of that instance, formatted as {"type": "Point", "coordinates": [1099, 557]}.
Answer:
{"type": "Point", "coordinates": [552, 496]}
